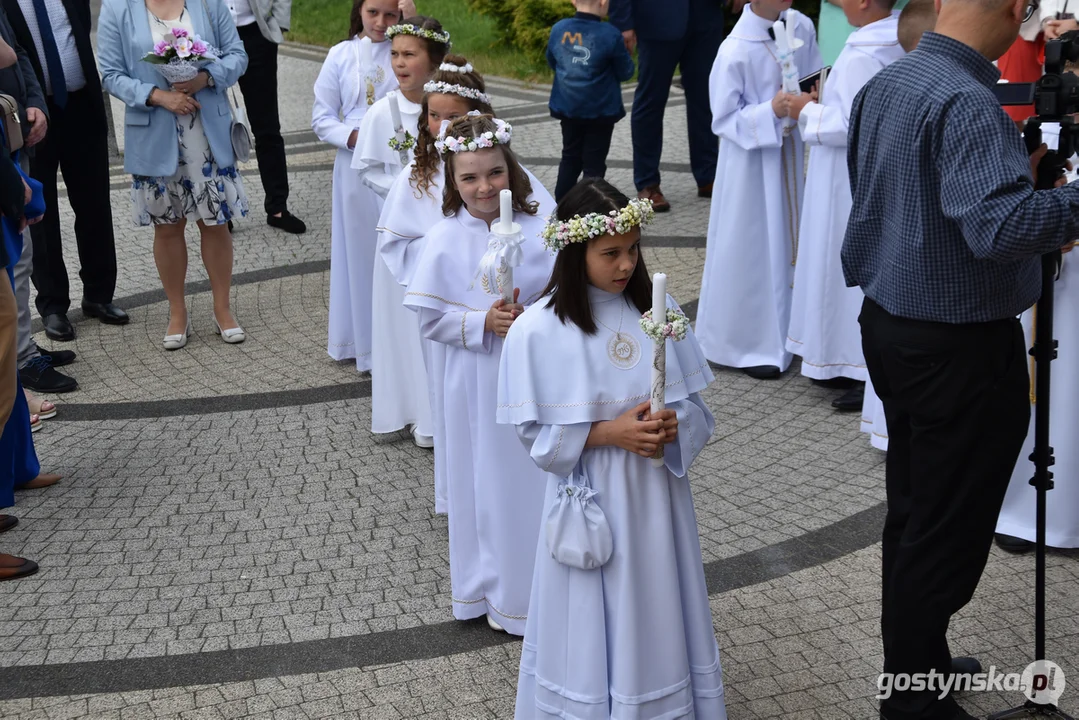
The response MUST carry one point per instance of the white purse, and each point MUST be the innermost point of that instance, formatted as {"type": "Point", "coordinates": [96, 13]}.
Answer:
{"type": "Point", "coordinates": [578, 534]}
{"type": "Point", "coordinates": [241, 136]}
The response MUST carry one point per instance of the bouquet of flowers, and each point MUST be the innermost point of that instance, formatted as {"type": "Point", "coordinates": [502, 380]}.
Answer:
{"type": "Point", "coordinates": [179, 56]}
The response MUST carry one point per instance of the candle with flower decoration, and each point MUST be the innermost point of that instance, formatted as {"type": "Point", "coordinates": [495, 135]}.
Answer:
{"type": "Point", "coordinates": [398, 127]}
{"type": "Point", "coordinates": [659, 353]}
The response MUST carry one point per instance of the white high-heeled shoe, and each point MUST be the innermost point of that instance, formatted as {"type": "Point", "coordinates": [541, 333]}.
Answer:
{"type": "Point", "coordinates": [175, 342]}
{"type": "Point", "coordinates": [233, 336]}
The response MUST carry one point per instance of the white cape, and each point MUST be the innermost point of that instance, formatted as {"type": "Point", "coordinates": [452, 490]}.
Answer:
{"type": "Point", "coordinates": [494, 491]}
{"type": "Point", "coordinates": [745, 300]}
{"type": "Point", "coordinates": [824, 327]}
{"type": "Point", "coordinates": [633, 638]}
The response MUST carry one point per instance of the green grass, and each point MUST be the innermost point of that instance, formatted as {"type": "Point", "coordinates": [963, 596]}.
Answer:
{"type": "Point", "coordinates": [325, 22]}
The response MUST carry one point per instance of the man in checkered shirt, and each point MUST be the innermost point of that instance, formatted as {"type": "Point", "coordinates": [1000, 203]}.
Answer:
{"type": "Point", "coordinates": [944, 238]}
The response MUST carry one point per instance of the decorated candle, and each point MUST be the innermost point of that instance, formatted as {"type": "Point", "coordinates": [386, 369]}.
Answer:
{"type": "Point", "coordinates": [395, 111]}
{"type": "Point", "coordinates": [659, 354]}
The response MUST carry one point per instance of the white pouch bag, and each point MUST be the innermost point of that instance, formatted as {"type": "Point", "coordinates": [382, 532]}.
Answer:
{"type": "Point", "coordinates": [577, 531]}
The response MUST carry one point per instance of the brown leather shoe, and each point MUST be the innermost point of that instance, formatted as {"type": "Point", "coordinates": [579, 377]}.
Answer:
{"type": "Point", "coordinates": [43, 480]}
{"type": "Point", "coordinates": [7, 522]}
{"type": "Point", "coordinates": [12, 567]}
{"type": "Point", "coordinates": [704, 191]}
{"type": "Point", "coordinates": [653, 193]}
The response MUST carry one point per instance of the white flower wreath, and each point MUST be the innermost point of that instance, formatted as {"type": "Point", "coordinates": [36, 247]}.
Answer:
{"type": "Point", "coordinates": [502, 135]}
{"type": "Point", "coordinates": [675, 328]}
{"type": "Point", "coordinates": [445, 88]}
{"type": "Point", "coordinates": [558, 234]}
{"type": "Point", "coordinates": [460, 69]}
{"type": "Point", "coordinates": [410, 29]}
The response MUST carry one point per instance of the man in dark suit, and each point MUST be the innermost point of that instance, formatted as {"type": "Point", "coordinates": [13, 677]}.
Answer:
{"type": "Point", "coordinates": [684, 33]}
{"type": "Point", "coordinates": [56, 34]}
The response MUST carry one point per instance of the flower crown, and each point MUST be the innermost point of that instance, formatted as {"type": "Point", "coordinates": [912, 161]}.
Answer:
{"type": "Point", "coordinates": [502, 135]}
{"type": "Point", "coordinates": [450, 67]}
{"type": "Point", "coordinates": [445, 88]}
{"type": "Point", "coordinates": [558, 234]}
{"type": "Point", "coordinates": [410, 29]}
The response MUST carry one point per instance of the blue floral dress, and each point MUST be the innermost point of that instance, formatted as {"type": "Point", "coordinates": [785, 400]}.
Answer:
{"type": "Point", "coordinates": [199, 189]}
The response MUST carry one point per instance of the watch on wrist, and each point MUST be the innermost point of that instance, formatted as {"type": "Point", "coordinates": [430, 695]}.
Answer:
{"type": "Point", "coordinates": [209, 78]}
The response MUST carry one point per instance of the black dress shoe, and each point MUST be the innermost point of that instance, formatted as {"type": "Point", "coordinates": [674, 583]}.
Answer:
{"type": "Point", "coordinates": [38, 375]}
{"type": "Point", "coordinates": [59, 358]}
{"type": "Point", "coordinates": [837, 383]}
{"type": "Point", "coordinates": [7, 522]}
{"type": "Point", "coordinates": [287, 222]}
{"type": "Point", "coordinates": [762, 372]}
{"type": "Point", "coordinates": [850, 401]}
{"type": "Point", "coordinates": [1012, 544]}
{"type": "Point", "coordinates": [58, 327]}
{"type": "Point", "coordinates": [105, 312]}
{"type": "Point", "coordinates": [966, 666]}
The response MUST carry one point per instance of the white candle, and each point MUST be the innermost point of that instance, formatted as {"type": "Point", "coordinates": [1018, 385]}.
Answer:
{"type": "Point", "coordinates": [365, 54]}
{"type": "Point", "coordinates": [395, 111]}
{"type": "Point", "coordinates": [659, 354]}
{"type": "Point", "coordinates": [659, 298]}
{"type": "Point", "coordinates": [505, 199]}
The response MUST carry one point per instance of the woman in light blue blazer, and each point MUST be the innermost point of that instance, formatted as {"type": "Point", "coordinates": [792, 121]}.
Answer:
{"type": "Point", "coordinates": [177, 144]}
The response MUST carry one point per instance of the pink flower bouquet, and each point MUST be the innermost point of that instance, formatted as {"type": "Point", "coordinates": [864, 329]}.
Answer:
{"type": "Point", "coordinates": [179, 55]}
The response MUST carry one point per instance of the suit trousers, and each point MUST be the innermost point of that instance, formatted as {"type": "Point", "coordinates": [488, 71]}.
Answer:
{"type": "Point", "coordinates": [657, 60]}
{"type": "Point", "coordinates": [956, 399]}
{"type": "Point", "coordinates": [259, 88]}
{"type": "Point", "coordinates": [76, 145]}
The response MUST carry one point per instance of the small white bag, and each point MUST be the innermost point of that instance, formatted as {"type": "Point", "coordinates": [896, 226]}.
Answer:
{"type": "Point", "coordinates": [577, 531]}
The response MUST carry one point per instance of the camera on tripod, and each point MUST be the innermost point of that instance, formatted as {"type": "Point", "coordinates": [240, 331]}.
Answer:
{"type": "Point", "coordinates": [1055, 97]}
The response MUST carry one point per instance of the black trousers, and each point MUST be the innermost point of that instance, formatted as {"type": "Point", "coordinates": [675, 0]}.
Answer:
{"type": "Point", "coordinates": [76, 144]}
{"type": "Point", "coordinates": [956, 399]}
{"type": "Point", "coordinates": [585, 144]}
{"type": "Point", "coordinates": [259, 88]}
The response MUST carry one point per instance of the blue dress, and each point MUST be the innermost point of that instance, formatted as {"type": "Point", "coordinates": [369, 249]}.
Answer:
{"type": "Point", "coordinates": [18, 460]}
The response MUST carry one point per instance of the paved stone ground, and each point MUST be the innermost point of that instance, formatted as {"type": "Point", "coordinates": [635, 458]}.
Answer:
{"type": "Point", "coordinates": [231, 541]}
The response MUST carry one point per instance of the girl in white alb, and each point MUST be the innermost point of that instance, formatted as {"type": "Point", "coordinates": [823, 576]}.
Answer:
{"type": "Point", "coordinates": [619, 624]}
{"type": "Point", "coordinates": [414, 206]}
{"type": "Point", "coordinates": [355, 74]}
{"type": "Point", "coordinates": [399, 396]}
{"type": "Point", "coordinates": [495, 493]}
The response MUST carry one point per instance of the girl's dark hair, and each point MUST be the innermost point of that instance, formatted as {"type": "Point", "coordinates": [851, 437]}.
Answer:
{"type": "Point", "coordinates": [436, 51]}
{"type": "Point", "coordinates": [426, 156]}
{"type": "Point", "coordinates": [355, 19]}
{"type": "Point", "coordinates": [568, 286]}
{"type": "Point", "coordinates": [472, 126]}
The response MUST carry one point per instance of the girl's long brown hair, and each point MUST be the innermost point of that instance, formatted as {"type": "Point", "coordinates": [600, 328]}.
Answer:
{"type": "Point", "coordinates": [472, 126]}
{"type": "Point", "coordinates": [568, 286]}
{"type": "Point", "coordinates": [426, 156]}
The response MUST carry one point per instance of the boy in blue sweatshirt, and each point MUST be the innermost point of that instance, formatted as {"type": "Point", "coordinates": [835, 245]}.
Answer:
{"type": "Point", "coordinates": [590, 61]}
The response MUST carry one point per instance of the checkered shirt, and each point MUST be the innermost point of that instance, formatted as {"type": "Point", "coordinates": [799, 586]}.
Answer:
{"type": "Point", "coordinates": [945, 224]}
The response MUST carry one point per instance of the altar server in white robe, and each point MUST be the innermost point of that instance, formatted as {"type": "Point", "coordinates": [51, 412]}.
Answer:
{"type": "Point", "coordinates": [495, 493]}
{"type": "Point", "coordinates": [631, 636]}
{"type": "Point", "coordinates": [399, 396]}
{"type": "Point", "coordinates": [745, 300]}
{"type": "Point", "coordinates": [414, 206]}
{"type": "Point", "coordinates": [824, 328]}
{"type": "Point", "coordinates": [355, 74]}
{"type": "Point", "coordinates": [1015, 525]}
